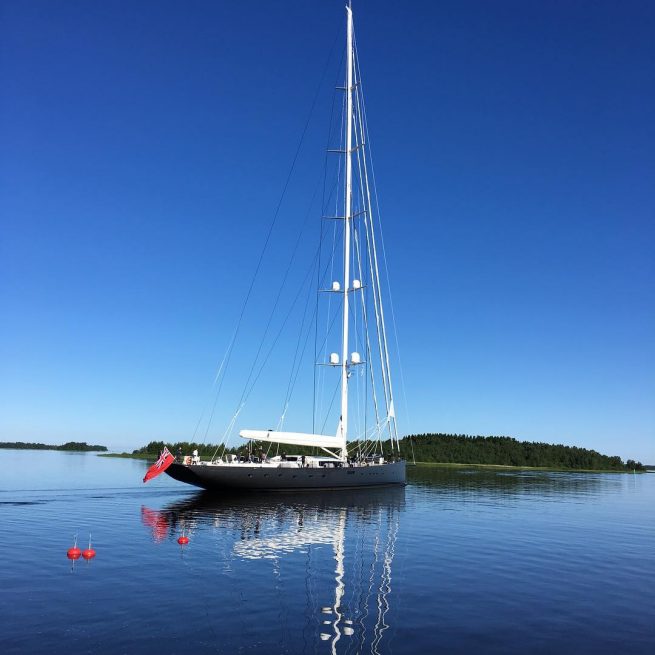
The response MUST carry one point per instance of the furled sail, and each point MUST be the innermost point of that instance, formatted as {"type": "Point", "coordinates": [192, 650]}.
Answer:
{"type": "Point", "coordinates": [293, 438]}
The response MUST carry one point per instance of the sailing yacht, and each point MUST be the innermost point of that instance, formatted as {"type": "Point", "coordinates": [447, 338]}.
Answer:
{"type": "Point", "coordinates": [360, 290]}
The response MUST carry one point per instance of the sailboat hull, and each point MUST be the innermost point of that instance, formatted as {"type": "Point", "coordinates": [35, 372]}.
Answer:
{"type": "Point", "coordinates": [271, 478]}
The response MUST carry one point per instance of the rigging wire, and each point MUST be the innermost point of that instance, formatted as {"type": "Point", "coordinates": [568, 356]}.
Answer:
{"type": "Point", "coordinates": [334, 395]}
{"type": "Point", "coordinates": [386, 269]}
{"type": "Point", "coordinates": [342, 131]}
{"type": "Point", "coordinates": [247, 391]}
{"type": "Point", "coordinates": [363, 124]}
{"type": "Point", "coordinates": [320, 241]}
{"type": "Point", "coordinates": [375, 286]}
{"type": "Point", "coordinates": [228, 353]}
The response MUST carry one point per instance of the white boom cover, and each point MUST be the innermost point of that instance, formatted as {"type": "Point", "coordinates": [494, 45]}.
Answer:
{"type": "Point", "coordinates": [293, 438]}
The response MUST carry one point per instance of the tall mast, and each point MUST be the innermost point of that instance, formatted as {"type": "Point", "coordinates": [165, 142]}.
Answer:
{"type": "Point", "coordinates": [347, 228]}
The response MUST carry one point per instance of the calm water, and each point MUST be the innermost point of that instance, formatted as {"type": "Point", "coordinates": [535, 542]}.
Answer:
{"type": "Point", "coordinates": [460, 561]}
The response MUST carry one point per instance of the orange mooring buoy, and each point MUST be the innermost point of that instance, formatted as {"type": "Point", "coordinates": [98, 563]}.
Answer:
{"type": "Point", "coordinates": [88, 553]}
{"type": "Point", "coordinates": [183, 540]}
{"type": "Point", "coordinates": [74, 552]}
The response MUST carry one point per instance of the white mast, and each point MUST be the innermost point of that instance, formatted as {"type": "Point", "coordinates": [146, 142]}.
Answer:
{"type": "Point", "coordinates": [346, 240]}
{"type": "Point", "coordinates": [337, 444]}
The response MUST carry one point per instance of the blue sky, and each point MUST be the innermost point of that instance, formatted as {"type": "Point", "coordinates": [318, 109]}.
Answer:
{"type": "Point", "coordinates": [144, 147]}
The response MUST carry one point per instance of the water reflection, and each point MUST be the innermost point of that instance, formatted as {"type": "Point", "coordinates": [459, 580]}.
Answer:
{"type": "Point", "coordinates": [511, 482]}
{"type": "Point", "coordinates": [316, 572]}
{"type": "Point", "coordinates": [344, 541]}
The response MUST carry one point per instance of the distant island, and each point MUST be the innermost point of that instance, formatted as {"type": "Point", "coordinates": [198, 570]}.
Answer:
{"type": "Point", "coordinates": [75, 446]}
{"type": "Point", "coordinates": [439, 448]}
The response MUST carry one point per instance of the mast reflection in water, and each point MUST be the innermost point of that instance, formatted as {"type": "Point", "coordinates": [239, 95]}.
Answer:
{"type": "Point", "coordinates": [322, 561]}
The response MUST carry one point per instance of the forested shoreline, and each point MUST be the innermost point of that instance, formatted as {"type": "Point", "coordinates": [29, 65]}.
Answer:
{"type": "Point", "coordinates": [74, 446]}
{"type": "Point", "coordinates": [507, 451]}
{"type": "Point", "coordinates": [445, 449]}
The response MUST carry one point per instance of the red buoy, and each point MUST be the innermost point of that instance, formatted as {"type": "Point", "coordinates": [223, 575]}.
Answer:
{"type": "Point", "coordinates": [74, 552]}
{"type": "Point", "coordinates": [88, 553]}
{"type": "Point", "coordinates": [183, 540]}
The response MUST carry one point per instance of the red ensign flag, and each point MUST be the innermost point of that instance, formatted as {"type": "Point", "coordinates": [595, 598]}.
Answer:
{"type": "Point", "coordinates": [164, 461]}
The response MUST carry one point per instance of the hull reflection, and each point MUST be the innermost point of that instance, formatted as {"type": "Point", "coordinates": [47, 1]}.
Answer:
{"type": "Point", "coordinates": [343, 542]}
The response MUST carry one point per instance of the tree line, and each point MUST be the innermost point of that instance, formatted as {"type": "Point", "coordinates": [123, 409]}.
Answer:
{"type": "Point", "coordinates": [77, 446]}
{"type": "Point", "coordinates": [438, 448]}
{"type": "Point", "coordinates": [506, 451]}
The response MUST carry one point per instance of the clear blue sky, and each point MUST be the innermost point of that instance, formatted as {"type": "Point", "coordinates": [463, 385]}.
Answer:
{"type": "Point", "coordinates": [144, 147]}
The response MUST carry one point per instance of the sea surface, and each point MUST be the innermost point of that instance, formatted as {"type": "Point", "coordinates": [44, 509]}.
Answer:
{"type": "Point", "coordinates": [459, 561]}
